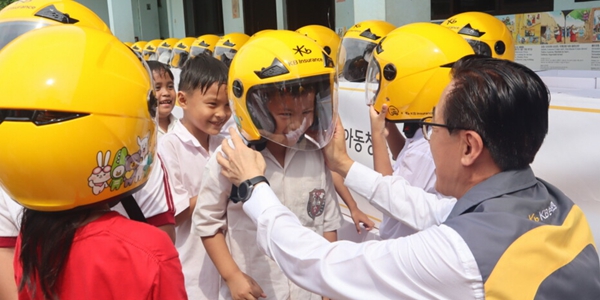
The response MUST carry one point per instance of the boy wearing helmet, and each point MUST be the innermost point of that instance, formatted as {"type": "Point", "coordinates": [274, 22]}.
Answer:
{"type": "Point", "coordinates": [281, 89]}
{"type": "Point", "coordinates": [66, 217]}
{"type": "Point", "coordinates": [228, 46]}
{"type": "Point", "coordinates": [185, 150]}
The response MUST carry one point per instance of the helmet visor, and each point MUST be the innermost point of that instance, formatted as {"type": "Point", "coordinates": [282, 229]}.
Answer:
{"type": "Point", "coordinates": [11, 30]}
{"type": "Point", "coordinates": [297, 114]}
{"type": "Point", "coordinates": [225, 54]}
{"type": "Point", "coordinates": [353, 64]}
{"type": "Point", "coordinates": [178, 58]}
{"type": "Point", "coordinates": [480, 47]}
{"type": "Point", "coordinates": [372, 82]}
{"type": "Point", "coordinates": [163, 55]}
{"type": "Point", "coordinates": [199, 50]}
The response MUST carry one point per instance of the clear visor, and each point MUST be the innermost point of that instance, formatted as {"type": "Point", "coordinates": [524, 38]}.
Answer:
{"type": "Point", "coordinates": [297, 114]}
{"type": "Point", "coordinates": [195, 51]}
{"type": "Point", "coordinates": [178, 58]}
{"type": "Point", "coordinates": [480, 47]}
{"type": "Point", "coordinates": [150, 55]}
{"type": "Point", "coordinates": [225, 54]}
{"type": "Point", "coordinates": [372, 82]}
{"type": "Point", "coordinates": [11, 30]}
{"type": "Point", "coordinates": [354, 59]}
{"type": "Point", "coordinates": [163, 55]}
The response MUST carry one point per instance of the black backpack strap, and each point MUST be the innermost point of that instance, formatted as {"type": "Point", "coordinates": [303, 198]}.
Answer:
{"type": "Point", "coordinates": [133, 209]}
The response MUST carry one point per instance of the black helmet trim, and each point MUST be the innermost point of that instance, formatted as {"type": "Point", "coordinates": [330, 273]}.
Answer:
{"type": "Point", "coordinates": [204, 44]}
{"type": "Point", "coordinates": [38, 117]}
{"type": "Point", "coordinates": [228, 44]}
{"type": "Point", "coordinates": [275, 69]}
{"type": "Point", "coordinates": [50, 12]}
{"type": "Point", "coordinates": [368, 34]}
{"type": "Point", "coordinates": [470, 31]}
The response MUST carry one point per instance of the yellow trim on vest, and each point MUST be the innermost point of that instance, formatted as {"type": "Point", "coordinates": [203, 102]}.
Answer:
{"type": "Point", "coordinates": [536, 255]}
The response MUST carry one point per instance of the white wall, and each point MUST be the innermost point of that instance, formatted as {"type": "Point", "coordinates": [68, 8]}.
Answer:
{"type": "Point", "coordinates": [280, 12]}
{"type": "Point", "coordinates": [149, 22]}
{"type": "Point", "coordinates": [98, 7]}
{"type": "Point", "coordinates": [121, 19]}
{"type": "Point", "coordinates": [229, 23]}
{"type": "Point", "coordinates": [344, 14]}
{"type": "Point", "coordinates": [570, 4]}
{"type": "Point", "coordinates": [401, 12]}
{"type": "Point", "coordinates": [176, 19]}
{"type": "Point", "coordinates": [369, 10]}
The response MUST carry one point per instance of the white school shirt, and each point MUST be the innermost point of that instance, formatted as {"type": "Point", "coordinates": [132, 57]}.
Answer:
{"type": "Point", "coordinates": [185, 159]}
{"type": "Point", "coordinates": [10, 220]}
{"type": "Point", "coordinates": [172, 121]}
{"type": "Point", "coordinates": [303, 185]}
{"type": "Point", "coordinates": [435, 263]}
{"type": "Point", "coordinates": [154, 200]}
{"type": "Point", "coordinates": [415, 165]}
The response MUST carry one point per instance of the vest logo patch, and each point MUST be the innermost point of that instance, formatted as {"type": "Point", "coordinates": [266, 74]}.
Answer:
{"type": "Point", "coordinates": [544, 213]}
{"type": "Point", "coordinates": [316, 203]}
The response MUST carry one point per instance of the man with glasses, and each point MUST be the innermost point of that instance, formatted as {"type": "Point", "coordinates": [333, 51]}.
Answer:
{"type": "Point", "coordinates": [509, 235]}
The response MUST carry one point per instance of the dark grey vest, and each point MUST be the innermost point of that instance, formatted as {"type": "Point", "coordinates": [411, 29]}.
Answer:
{"type": "Point", "coordinates": [530, 241]}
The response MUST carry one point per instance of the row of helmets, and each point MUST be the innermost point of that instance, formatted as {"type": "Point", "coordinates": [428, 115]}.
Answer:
{"type": "Point", "coordinates": [175, 52]}
{"type": "Point", "coordinates": [74, 141]}
{"type": "Point", "coordinates": [407, 68]}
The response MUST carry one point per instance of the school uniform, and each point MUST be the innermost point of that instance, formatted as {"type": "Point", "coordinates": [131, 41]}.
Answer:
{"type": "Point", "coordinates": [303, 184]}
{"type": "Point", "coordinates": [172, 121]}
{"type": "Point", "coordinates": [185, 159]}
{"type": "Point", "coordinates": [10, 220]}
{"type": "Point", "coordinates": [116, 258]}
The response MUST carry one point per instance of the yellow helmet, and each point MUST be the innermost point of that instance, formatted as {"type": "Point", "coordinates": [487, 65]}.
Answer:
{"type": "Point", "coordinates": [23, 16]}
{"type": "Point", "coordinates": [324, 36]}
{"type": "Point", "coordinates": [204, 44]}
{"type": "Point", "coordinates": [229, 45]}
{"type": "Point", "coordinates": [163, 52]}
{"type": "Point", "coordinates": [281, 89]}
{"type": "Point", "coordinates": [82, 130]}
{"type": "Point", "coordinates": [259, 33]}
{"type": "Point", "coordinates": [357, 45]}
{"type": "Point", "coordinates": [487, 35]}
{"type": "Point", "coordinates": [138, 47]}
{"type": "Point", "coordinates": [181, 52]}
{"type": "Point", "coordinates": [149, 52]}
{"type": "Point", "coordinates": [411, 67]}
{"type": "Point", "coordinates": [128, 44]}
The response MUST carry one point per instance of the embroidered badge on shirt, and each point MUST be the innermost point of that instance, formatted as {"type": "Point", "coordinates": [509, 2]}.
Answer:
{"type": "Point", "coordinates": [316, 203]}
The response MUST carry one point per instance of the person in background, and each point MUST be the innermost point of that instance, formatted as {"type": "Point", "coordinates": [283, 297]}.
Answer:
{"type": "Point", "coordinates": [185, 150]}
{"type": "Point", "coordinates": [165, 93]}
{"type": "Point", "coordinates": [67, 215]}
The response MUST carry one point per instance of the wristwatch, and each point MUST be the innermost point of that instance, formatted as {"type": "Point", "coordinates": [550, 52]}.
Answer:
{"type": "Point", "coordinates": [245, 189]}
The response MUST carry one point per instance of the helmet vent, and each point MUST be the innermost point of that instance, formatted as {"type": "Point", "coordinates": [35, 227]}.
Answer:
{"type": "Point", "coordinates": [470, 31]}
{"type": "Point", "coordinates": [275, 69]}
{"type": "Point", "coordinates": [50, 12]}
{"type": "Point", "coordinates": [228, 44]}
{"type": "Point", "coordinates": [37, 117]}
{"type": "Point", "coordinates": [204, 44]}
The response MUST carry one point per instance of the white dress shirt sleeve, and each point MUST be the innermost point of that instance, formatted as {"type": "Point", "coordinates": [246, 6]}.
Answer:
{"type": "Point", "coordinates": [393, 195]}
{"type": "Point", "coordinates": [432, 264]}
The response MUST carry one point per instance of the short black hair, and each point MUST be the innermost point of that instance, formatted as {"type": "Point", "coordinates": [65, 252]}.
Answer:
{"type": "Point", "coordinates": [505, 102]}
{"type": "Point", "coordinates": [160, 68]}
{"type": "Point", "coordinates": [201, 72]}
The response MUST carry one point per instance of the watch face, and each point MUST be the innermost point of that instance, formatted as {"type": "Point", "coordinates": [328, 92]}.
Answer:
{"type": "Point", "coordinates": [243, 191]}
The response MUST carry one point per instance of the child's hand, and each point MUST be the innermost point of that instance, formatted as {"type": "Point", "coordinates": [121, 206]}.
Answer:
{"type": "Point", "coordinates": [243, 287]}
{"type": "Point", "coordinates": [360, 218]}
{"type": "Point", "coordinates": [378, 120]}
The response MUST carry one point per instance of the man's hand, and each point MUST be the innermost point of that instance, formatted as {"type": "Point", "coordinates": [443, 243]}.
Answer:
{"type": "Point", "coordinates": [243, 287]}
{"type": "Point", "coordinates": [378, 123]}
{"type": "Point", "coordinates": [242, 162]}
{"type": "Point", "coordinates": [336, 156]}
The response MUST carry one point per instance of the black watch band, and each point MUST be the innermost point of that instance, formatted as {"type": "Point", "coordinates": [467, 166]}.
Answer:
{"type": "Point", "coordinates": [244, 191]}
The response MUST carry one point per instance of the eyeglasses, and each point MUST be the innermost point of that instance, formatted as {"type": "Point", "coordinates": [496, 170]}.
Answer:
{"type": "Point", "coordinates": [426, 125]}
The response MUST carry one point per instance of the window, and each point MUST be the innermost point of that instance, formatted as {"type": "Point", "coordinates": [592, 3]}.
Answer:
{"type": "Point", "coordinates": [442, 9]}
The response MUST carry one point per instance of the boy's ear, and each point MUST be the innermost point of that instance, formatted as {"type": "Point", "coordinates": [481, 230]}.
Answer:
{"type": "Point", "coordinates": [181, 99]}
